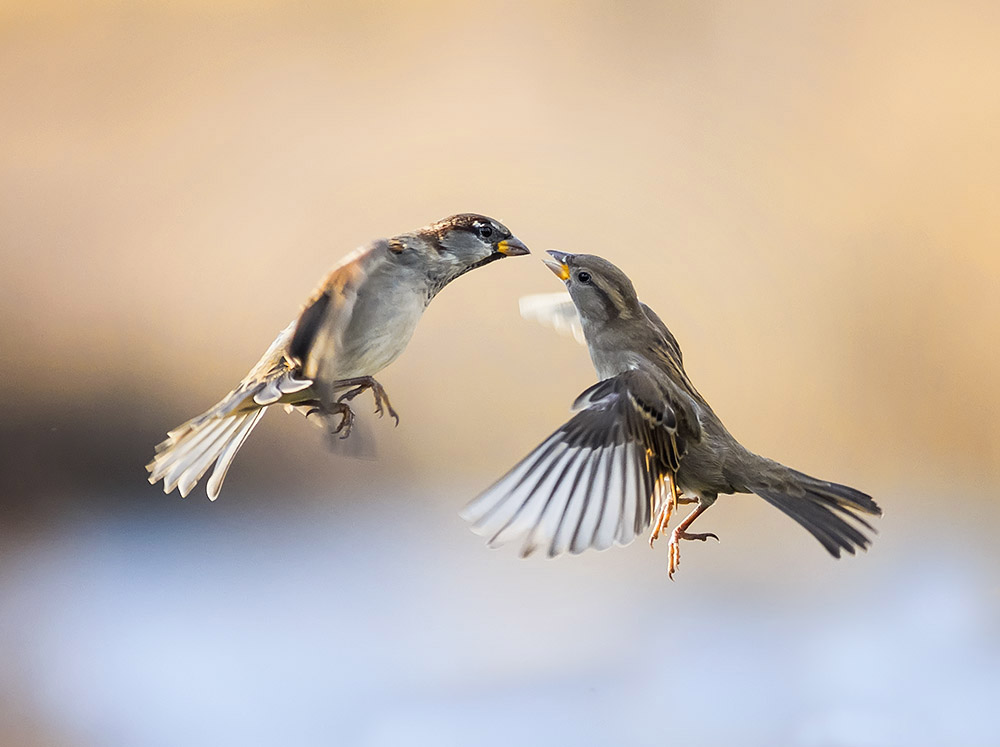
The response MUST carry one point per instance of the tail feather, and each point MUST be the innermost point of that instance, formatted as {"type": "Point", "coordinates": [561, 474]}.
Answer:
{"type": "Point", "coordinates": [226, 459]}
{"type": "Point", "coordinates": [215, 436]}
{"type": "Point", "coordinates": [197, 464]}
{"type": "Point", "coordinates": [822, 508]}
{"type": "Point", "coordinates": [191, 454]}
{"type": "Point", "coordinates": [189, 451]}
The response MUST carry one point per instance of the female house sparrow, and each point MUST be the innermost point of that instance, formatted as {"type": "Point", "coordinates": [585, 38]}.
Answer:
{"type": "Point", "coordinates": [357, 322]}
{"type": "Point", "coordinates": [643, 440]}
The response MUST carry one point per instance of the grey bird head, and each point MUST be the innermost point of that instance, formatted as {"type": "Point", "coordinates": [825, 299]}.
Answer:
{"type": "Point", "coordinates": [602, 293]}
{"type": "Point", "coordinates": [456, 245]}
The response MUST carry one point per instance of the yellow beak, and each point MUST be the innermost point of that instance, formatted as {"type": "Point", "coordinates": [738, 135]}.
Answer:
{"type": "Point", "coordinates": [558, 264]}
{"type": "Point", "coordinates": [512, 247]}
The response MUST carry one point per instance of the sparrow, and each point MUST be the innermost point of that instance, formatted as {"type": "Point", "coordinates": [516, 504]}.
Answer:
{"type": "Point", "coordinates": [642, 441]}
{"type": "Point", "coordinates": [355, 324]}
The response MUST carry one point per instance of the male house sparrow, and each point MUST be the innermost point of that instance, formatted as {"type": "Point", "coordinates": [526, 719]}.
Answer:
{"type": "Point", "coordinates": [643, 440]}
{"type": "Point", "coordinates": [357, 322]}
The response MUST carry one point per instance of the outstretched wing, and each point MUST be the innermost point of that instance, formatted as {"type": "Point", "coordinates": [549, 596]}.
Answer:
{"type": "Point", "coordinates": [598, 479]}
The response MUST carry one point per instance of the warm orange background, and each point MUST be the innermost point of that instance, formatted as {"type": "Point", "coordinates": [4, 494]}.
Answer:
{"type": "Point", "coordinates": [807, 193]}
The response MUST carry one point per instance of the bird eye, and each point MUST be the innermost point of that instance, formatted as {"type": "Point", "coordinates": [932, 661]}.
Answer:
{"type": "Point", "coordinates": [583, 276]}
{"type": "Point", "coordinates": [485, 231]}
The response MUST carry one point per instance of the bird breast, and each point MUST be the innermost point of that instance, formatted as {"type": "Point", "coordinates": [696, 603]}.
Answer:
{"type": "Point", "coordinates": [610, 362]}
{"type": "Point", "coordinates": [381, 326]}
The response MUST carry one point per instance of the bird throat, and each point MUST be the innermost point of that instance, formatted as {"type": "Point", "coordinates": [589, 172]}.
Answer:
{"type": "Point", "coordinates": [437, 282]}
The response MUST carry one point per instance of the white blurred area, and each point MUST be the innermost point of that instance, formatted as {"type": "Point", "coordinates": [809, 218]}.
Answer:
{"type": "Point", "coordinates": [805, 192]}
{"type": "Point", "coordinates": [387, 623]}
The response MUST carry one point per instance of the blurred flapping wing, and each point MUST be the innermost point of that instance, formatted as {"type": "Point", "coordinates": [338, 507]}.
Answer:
{"type": "Point", "coordinates": [554, 310]}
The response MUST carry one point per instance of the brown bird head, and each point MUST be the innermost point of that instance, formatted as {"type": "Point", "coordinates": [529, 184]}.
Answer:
{"type": "Point", "coordinates": [602, 293]}
{"type": "Point", "coordinates": [454, 246]}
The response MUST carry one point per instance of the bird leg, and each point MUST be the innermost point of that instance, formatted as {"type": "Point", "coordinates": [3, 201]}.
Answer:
{"type": "Point", "coordinates": [666, 511]}
{"type": "Point", "coordinates": [334, 408]}
{"type": "Point", "coordinates": [680, 532]}
{"type": "Point", "coordinates": [360, 384]}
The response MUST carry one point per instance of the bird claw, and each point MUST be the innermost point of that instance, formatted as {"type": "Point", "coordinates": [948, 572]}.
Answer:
{"type": "Point", "coordinates": [360, 384]}
{"type": "Point", "coordinates": [674, 558]}
{"type": "Point", "coordinates": [337, 408]}
{"type": "Point", "coordinates": [382, 399]}
{"type": "Point", "coordinates": [346, 421]}
{"type": "Point", "coordinates": [701, 537]}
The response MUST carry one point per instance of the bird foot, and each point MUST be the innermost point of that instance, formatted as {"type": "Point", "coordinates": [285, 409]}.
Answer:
{"type": "Point", "coordinates": [675, 547]}
{"type": "Point", "coordinates": [337, 408]}
{"type": "Point", "coordinates": [666, 511]}
{"type": "Point", "coordinates": [664, 519]}
{"type": "Point", "coordinates": [661, 523]}
{"type": "Point", "coordinates": [360, 384]}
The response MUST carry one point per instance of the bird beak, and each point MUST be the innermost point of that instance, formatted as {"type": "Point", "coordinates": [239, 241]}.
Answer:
{"type": "Point", "coordinates": [558, 263]}
{"type": "Point", "coordinates": [512, 247]}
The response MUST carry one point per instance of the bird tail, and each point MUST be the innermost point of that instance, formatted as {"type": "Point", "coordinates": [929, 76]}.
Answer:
{"type": "Point", "coordinates": [217, 434]}
{"type": "Point", "coordinates": [823, 508]}
{"type": "Point", "coordinates": [190, 449]}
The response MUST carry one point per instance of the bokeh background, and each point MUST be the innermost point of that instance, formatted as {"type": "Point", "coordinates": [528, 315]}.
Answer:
{"type": "Point", "coordinates": [807, 192]}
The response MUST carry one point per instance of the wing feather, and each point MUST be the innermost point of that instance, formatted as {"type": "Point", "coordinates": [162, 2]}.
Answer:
{"type": "Point", "coordinates": [554, 507]}
{"type": "Point", "coordinates": [596, 480]}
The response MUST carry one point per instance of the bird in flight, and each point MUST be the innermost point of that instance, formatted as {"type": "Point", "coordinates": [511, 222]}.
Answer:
{"type": "Point", "coordinates": [642, 441]}
{"type": "Point", "coordinates": [355, 324]}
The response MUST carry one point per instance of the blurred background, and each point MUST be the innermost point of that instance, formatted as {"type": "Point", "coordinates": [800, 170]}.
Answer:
{"type": "Point", "coordinates": [806, 192]}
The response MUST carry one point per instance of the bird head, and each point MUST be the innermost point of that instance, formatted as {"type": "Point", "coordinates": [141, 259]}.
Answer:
{"type": "Point", "coordinates": [460, 243]}
{"type": "Point", "coordinates": [600, 291]}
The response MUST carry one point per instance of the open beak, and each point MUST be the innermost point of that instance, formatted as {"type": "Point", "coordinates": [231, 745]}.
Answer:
{"type": "Point", "coordinates": [558, 263]}
{"type": "Point", "coordinates": [512, 247]}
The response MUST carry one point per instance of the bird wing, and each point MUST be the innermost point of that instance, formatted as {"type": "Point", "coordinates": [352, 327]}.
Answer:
{"type": "Point", "coordinates": [598, 479]}
{"type": "Point", "coordinates": [272, 377]}
{"type": "Point", "coordinates": [299, 354]}
{"type": "Point", "coordinates": [320, 327]}
{"type": "Point", "coordinates": [555, 310]}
